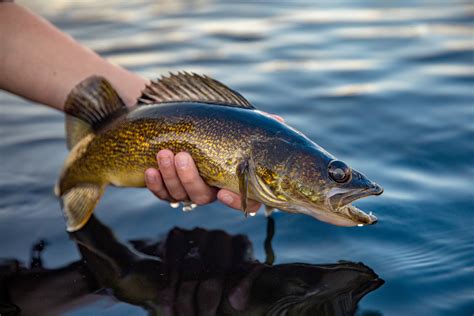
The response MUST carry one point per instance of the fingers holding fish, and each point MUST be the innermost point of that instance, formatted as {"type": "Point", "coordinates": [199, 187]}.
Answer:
{"type": "Point", "coordinates": [197, 190]}
{"type": "Point", "coordinates": [170, 177]}
{"type": "Point", "coordinates": [199, 263]}
{"type": "Point", "coordinates": [209, 295]}
{"type": "Point", "coordinates": [233, 200]}
{"type": "Point", "coordinates": [178, 179]}
{"type": "Point", "coordinates": [184, 303]}
{"type": "Point", "coordinates": [155, 184]}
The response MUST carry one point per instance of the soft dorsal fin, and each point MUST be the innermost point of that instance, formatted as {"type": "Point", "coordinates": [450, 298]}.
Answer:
{"type": "Point", "coordinates": [186, 87]}
{"type": "Point", "coordinates": [90, 105]}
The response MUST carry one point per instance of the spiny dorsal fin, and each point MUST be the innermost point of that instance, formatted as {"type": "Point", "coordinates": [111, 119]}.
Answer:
{"type": "Point", "coordinates": [90, 105]}
{"type": "Point", "coordinates": [186, 87]}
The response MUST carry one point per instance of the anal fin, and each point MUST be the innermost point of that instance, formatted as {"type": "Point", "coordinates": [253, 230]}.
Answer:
{"type": "Point", "coordinates": [78, 204]}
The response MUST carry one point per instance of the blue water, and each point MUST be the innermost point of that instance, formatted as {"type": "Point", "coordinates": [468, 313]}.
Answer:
{"type": "Point", "coordinates": [386, 86]}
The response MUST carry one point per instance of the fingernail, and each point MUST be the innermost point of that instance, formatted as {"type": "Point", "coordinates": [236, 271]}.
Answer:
{"type": "Point", "coordinates": [181, 161]}
{"type": "Point", "coordinates": [150, 177]}
{"type": "Point", "coordinates": [227, 199]}
{"type": "Point", "coordinates": [165, 162]}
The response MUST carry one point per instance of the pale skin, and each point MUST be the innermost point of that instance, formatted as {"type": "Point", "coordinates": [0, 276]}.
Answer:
{"type": "Point", "coordinates": [42, 64]}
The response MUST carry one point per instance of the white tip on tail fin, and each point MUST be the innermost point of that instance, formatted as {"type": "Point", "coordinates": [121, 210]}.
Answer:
{"type": "Point", "coordinates": [78, 204]}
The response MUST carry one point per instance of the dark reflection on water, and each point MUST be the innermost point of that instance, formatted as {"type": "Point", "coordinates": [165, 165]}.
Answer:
{"type": "Point", "coordinates": [386, 86]}
{"type": "Point", "coordinates": [191, 272]}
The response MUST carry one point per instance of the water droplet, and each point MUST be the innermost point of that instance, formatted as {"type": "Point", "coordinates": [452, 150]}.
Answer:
{"type": "Point", "coordinates": [360, 225]}
{"type": "Point", "coordinates": [187, 208]}
{"type": "Point", "coordinates": [252, 213]}
{"type": "Point", "coordinates": [174, 204]}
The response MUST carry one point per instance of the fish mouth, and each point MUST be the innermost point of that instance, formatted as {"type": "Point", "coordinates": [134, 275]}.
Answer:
{"type": "Point", "coordinates": [339, 201]}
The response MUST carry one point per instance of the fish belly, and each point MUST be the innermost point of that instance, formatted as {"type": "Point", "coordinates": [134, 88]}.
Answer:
{"type": "Point", "coordinates": [127, 179]}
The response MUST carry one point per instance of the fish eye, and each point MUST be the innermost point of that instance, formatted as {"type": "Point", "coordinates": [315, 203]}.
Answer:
{"type": "Point", "coordinates": [339, 171]}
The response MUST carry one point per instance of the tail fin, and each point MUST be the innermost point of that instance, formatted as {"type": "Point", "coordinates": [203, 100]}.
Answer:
{"type": "Point", "coordinates": [78, 204]}
{"type": "Point", "coordinates": [89, 106]}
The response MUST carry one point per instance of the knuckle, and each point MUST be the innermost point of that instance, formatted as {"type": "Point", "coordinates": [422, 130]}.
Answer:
{"type": "Point", "coordinates": [172, 183]}
{"type": "Point", "coordinates": [167, 172]}
{"type": "Point", "coordinates": [187, 178]}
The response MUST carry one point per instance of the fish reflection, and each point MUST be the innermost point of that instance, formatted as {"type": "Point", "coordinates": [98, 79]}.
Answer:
{"type": "Point", "coordinates": [190, 272]}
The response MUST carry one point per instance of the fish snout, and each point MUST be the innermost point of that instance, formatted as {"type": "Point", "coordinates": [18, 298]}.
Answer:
{"type": "Point", "coordinates": [375, 189]}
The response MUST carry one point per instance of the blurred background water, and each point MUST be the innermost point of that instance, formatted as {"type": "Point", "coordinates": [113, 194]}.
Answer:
{"type": "Point", "coordinates": [386, 86]}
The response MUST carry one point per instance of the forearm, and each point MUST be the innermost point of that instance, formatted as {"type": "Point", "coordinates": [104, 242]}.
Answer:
{"type": "Point", "coordinates": [40, 63]}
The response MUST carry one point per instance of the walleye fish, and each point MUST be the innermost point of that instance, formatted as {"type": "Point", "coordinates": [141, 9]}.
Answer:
{"type": "Point", "coordinates": [234, 146]}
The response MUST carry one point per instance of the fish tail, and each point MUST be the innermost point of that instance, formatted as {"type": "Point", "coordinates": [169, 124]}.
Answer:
{"type": "Point", "coordinates": [78, 204]}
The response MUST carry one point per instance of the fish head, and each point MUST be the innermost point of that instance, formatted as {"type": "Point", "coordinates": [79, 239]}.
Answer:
{"type": "Point", "coordinates": [306, 289]}
{"type": "Point", "coordinates": [304, 178]}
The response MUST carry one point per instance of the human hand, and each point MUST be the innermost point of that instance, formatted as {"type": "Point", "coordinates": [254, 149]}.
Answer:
{"type": "Point", "coordinates": [178, 180]}
{"type": "Point", "coordinates": [198, 265]}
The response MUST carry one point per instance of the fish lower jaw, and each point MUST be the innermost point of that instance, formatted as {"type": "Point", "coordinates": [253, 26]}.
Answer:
{"type": "Point", "coordinates": [346, 215]}
{"type": "Point", "coordinates": [356, 215]}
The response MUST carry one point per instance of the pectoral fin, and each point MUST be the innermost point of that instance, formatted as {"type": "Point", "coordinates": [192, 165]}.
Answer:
{"type": "Point", "coordinates": [243, 174]}
{"type": "Point", "coordinates": [78, 204]}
